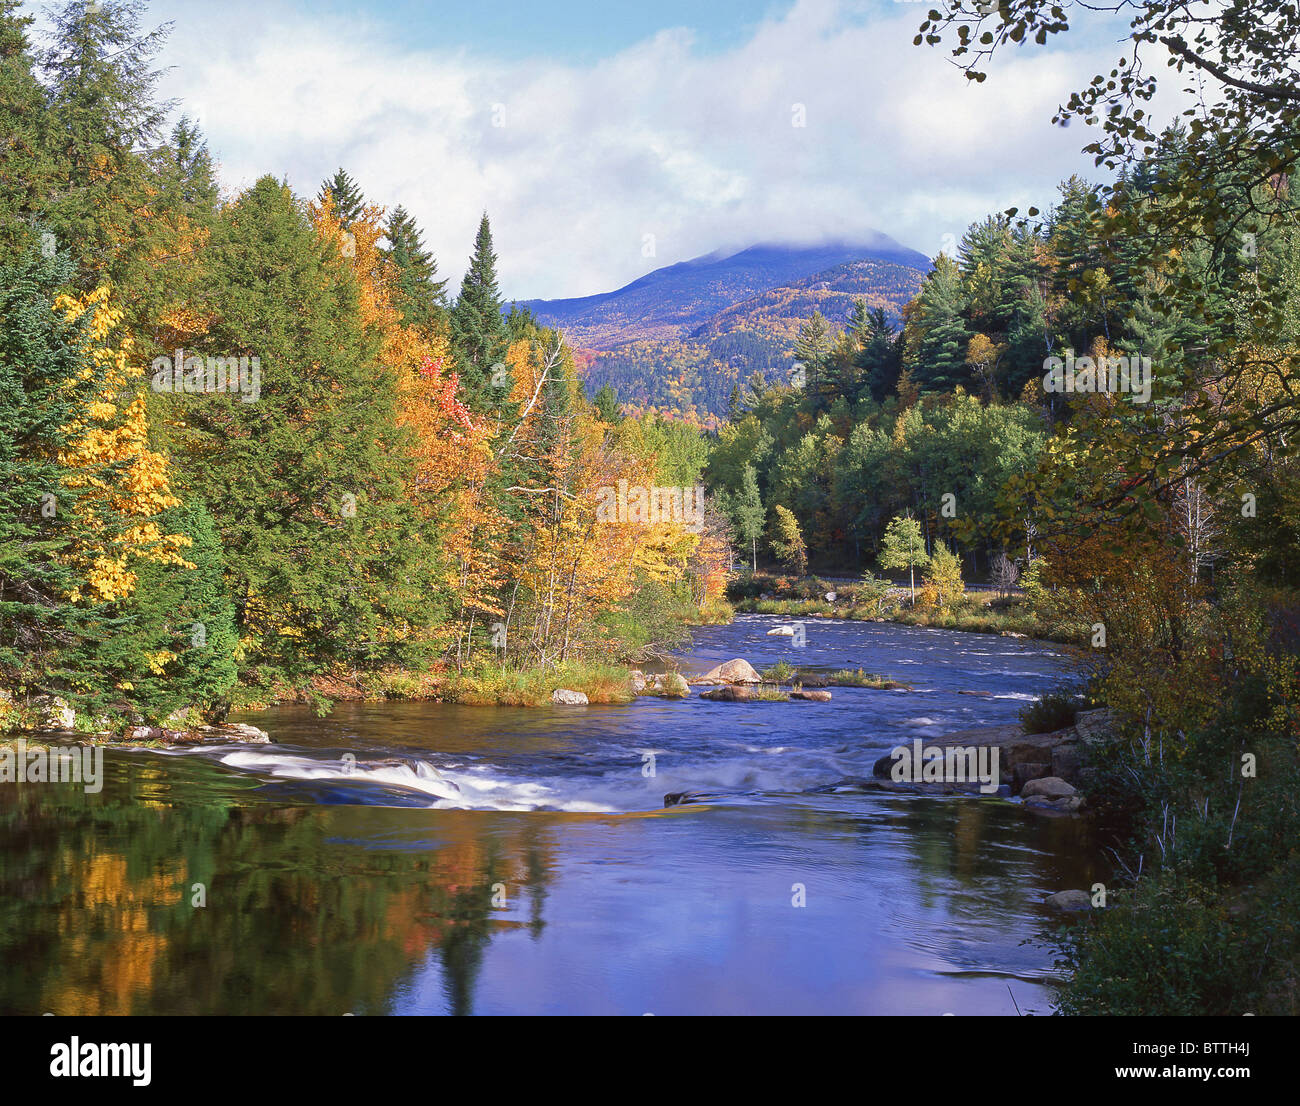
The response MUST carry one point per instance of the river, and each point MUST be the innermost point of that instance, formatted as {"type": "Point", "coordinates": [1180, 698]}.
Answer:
{"type": "Point", "coordinates": [422, 858]}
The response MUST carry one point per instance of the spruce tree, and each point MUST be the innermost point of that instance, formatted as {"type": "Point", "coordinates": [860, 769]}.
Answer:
{"type": "Point", "coordinates": [342, 190]}
{"type": "Point", "coordinates": [477, 330]}
{"type": "Point", "coordinates": [102, 107]}
{"type": "Point", "coordinates": [940, 359]}
{"type": "Point", "coordinates": [26, 164]}
{"type": "Point", "coordinates": [420, 297]}
{"type": "Point", "coordinates": [306, 481]}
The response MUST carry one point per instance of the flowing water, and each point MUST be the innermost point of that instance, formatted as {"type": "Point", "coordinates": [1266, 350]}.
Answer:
{"type": "Point", "coordinates": [416, 858]}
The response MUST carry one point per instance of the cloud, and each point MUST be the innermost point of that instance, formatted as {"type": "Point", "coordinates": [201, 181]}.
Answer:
{"type": "Point", "coordinates": [577, 163]}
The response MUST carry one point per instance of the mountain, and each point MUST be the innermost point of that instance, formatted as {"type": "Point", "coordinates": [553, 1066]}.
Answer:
{"type": "Point", "coordinates": [673, 301]}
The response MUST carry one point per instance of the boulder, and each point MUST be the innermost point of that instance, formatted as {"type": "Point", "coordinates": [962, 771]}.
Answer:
{"type": "Point", "coordinates": [781, 631]}
{"type": "Point", "coordinates": [242, 731]}
{"type": "Point", "coordinates": [53, 713]}
{"type": "Point", "coordinates": [637, 679]}
{"type": "Point", "coordinates": [810, 695]}
{"type": "Point", "coordinates": [1048, 787]}
{"type": "Point", "coordinates": [738, 671]}
{"type": "Point", "coordinates": [831, 596]}
{"type": "Point", "coordinates": [565, 697]}
{"type": "Point", "coordinates": [1069, 901]}
{"type": "Point", "coordinates": [729, 693]}
{"type": "Point", "coordinates": [1067, 761]}
{"type": "Point", "coordinates": [686, 798]}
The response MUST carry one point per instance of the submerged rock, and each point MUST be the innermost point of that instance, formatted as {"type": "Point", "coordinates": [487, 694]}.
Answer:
{"type": "Point", "coordinates": [781, 631]}
{"type": "Point", "coordinates": [729, 694]}
{"type": "Point", "coordinates": [1069, 901]}
{"type": "Point", "coordinates": [811, 696]}
{"type": "Point", "coordinates": [565, 697]}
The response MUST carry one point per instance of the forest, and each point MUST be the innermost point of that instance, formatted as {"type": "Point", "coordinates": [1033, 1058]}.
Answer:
{"type": "Point", "coordinates": [252, 449]}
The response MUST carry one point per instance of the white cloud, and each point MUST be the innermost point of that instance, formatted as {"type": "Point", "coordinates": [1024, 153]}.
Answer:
{"type": "Point", "coordinates": [662, 138]}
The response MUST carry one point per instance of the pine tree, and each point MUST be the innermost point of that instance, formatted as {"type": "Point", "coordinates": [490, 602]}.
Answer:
{"type": "Point", "coordinates": [418, 296]}
{"type": "Point", "coordinates": [26, 165]}
{"type": "Point", "coordinates": [938, 363]}
{"type": "Point", "coordinates": [343, 192]}
{"type": "Point", "coordinates": [101, 81]}
{"type": "Point", "coordinates": [39, 356]}
{"type": "Point", "coordinates": [323, 559]}
{"type": "Point", "coordinates": [477, 330]}
{"type": "Point", "coordinates": [607, 405]}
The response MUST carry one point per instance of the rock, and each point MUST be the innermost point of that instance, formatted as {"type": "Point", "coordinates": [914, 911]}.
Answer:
{"type": "Point", "coordinates": [1069, 901]}
{"type": "Point", "coordinates": [565, 697]}
{"type": "Point", "coordinates": [685, 798]}
{"type": "Point", "coordinates": [1011, 633]}
{"type": "Point", "coordinates": [637, 679]}
{"type": "Point", "coordinates": [729, 694]}
{"type": "Point", "coordinates": [1067, 761]}
{"type": "Point", "coordinates": [144, 733]}
{"type": "Point", "coordinates": [736, 671]}
{"type": "Point", "coordinates": [831, 596]}
{"type": "Point", "coordinates": [668, 685]}
{"type": "Point", "coordinates": [53, 713]}
{"type": "Point", "coordinates": [1023, 773]}
{"type": "Point", "coordinates": [1048, 787]}
{"type": "Point", "coordinates": [781, 631]}
{"type": "Point", "coordinates": [811, 696]}
{"type": "Point", "coordinates": [241, 731]}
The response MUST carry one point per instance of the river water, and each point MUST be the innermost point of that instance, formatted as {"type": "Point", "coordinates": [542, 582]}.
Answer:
{"type": "Point", "coordinates": [420, 858]}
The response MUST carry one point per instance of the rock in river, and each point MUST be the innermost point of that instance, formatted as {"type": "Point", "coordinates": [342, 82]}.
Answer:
{"type": "Point", "coordinates": [565, 697]}
{"type": "Point", "coordinates": [738, 671]}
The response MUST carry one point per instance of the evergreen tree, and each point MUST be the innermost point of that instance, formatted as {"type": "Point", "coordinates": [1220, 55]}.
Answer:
{"type": "Point", "coordinates": [306, 482]}
{"type": "Point", "coordinates": [607, 406]}
{"type": "Point", "coordinates": [101, 81]}
{"type": "Point", "coordinates": [26, 164]}
{"type": "Point", "coordinates": [342, 191]}
{"type": "Point", "coordinates": [420, 297]}
{"type": "Point", "coordinates": [477, 329]}
{"type": "Point", "coordinates": [938, 362]}
{"type": "Point", "coordinates": [40, 355]}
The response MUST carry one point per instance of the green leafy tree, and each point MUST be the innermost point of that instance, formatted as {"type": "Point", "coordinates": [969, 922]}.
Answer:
{"type": "Point", "coordinates": [787, 540]}
{"type": "Point", "coordinates": [749, 514]}
{"type": "Point", "coordinates": [904, 547]}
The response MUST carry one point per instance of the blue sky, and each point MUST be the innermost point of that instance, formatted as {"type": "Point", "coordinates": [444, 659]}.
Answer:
{"type": "Point", "coordinates": [606, 140]}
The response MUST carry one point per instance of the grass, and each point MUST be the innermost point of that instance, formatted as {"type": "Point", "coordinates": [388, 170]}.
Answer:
{"type": "Point", "coordinates": [783, 672]}
{"type": "Point", "coordinates": [492, 684]}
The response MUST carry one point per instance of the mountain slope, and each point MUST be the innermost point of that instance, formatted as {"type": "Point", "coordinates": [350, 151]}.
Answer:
{"type": "Point", "coordinates": [676, 300]}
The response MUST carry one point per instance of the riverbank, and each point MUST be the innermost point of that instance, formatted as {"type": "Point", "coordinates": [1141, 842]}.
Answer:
{"type": "Point", "coordinates": [1011, 614]}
